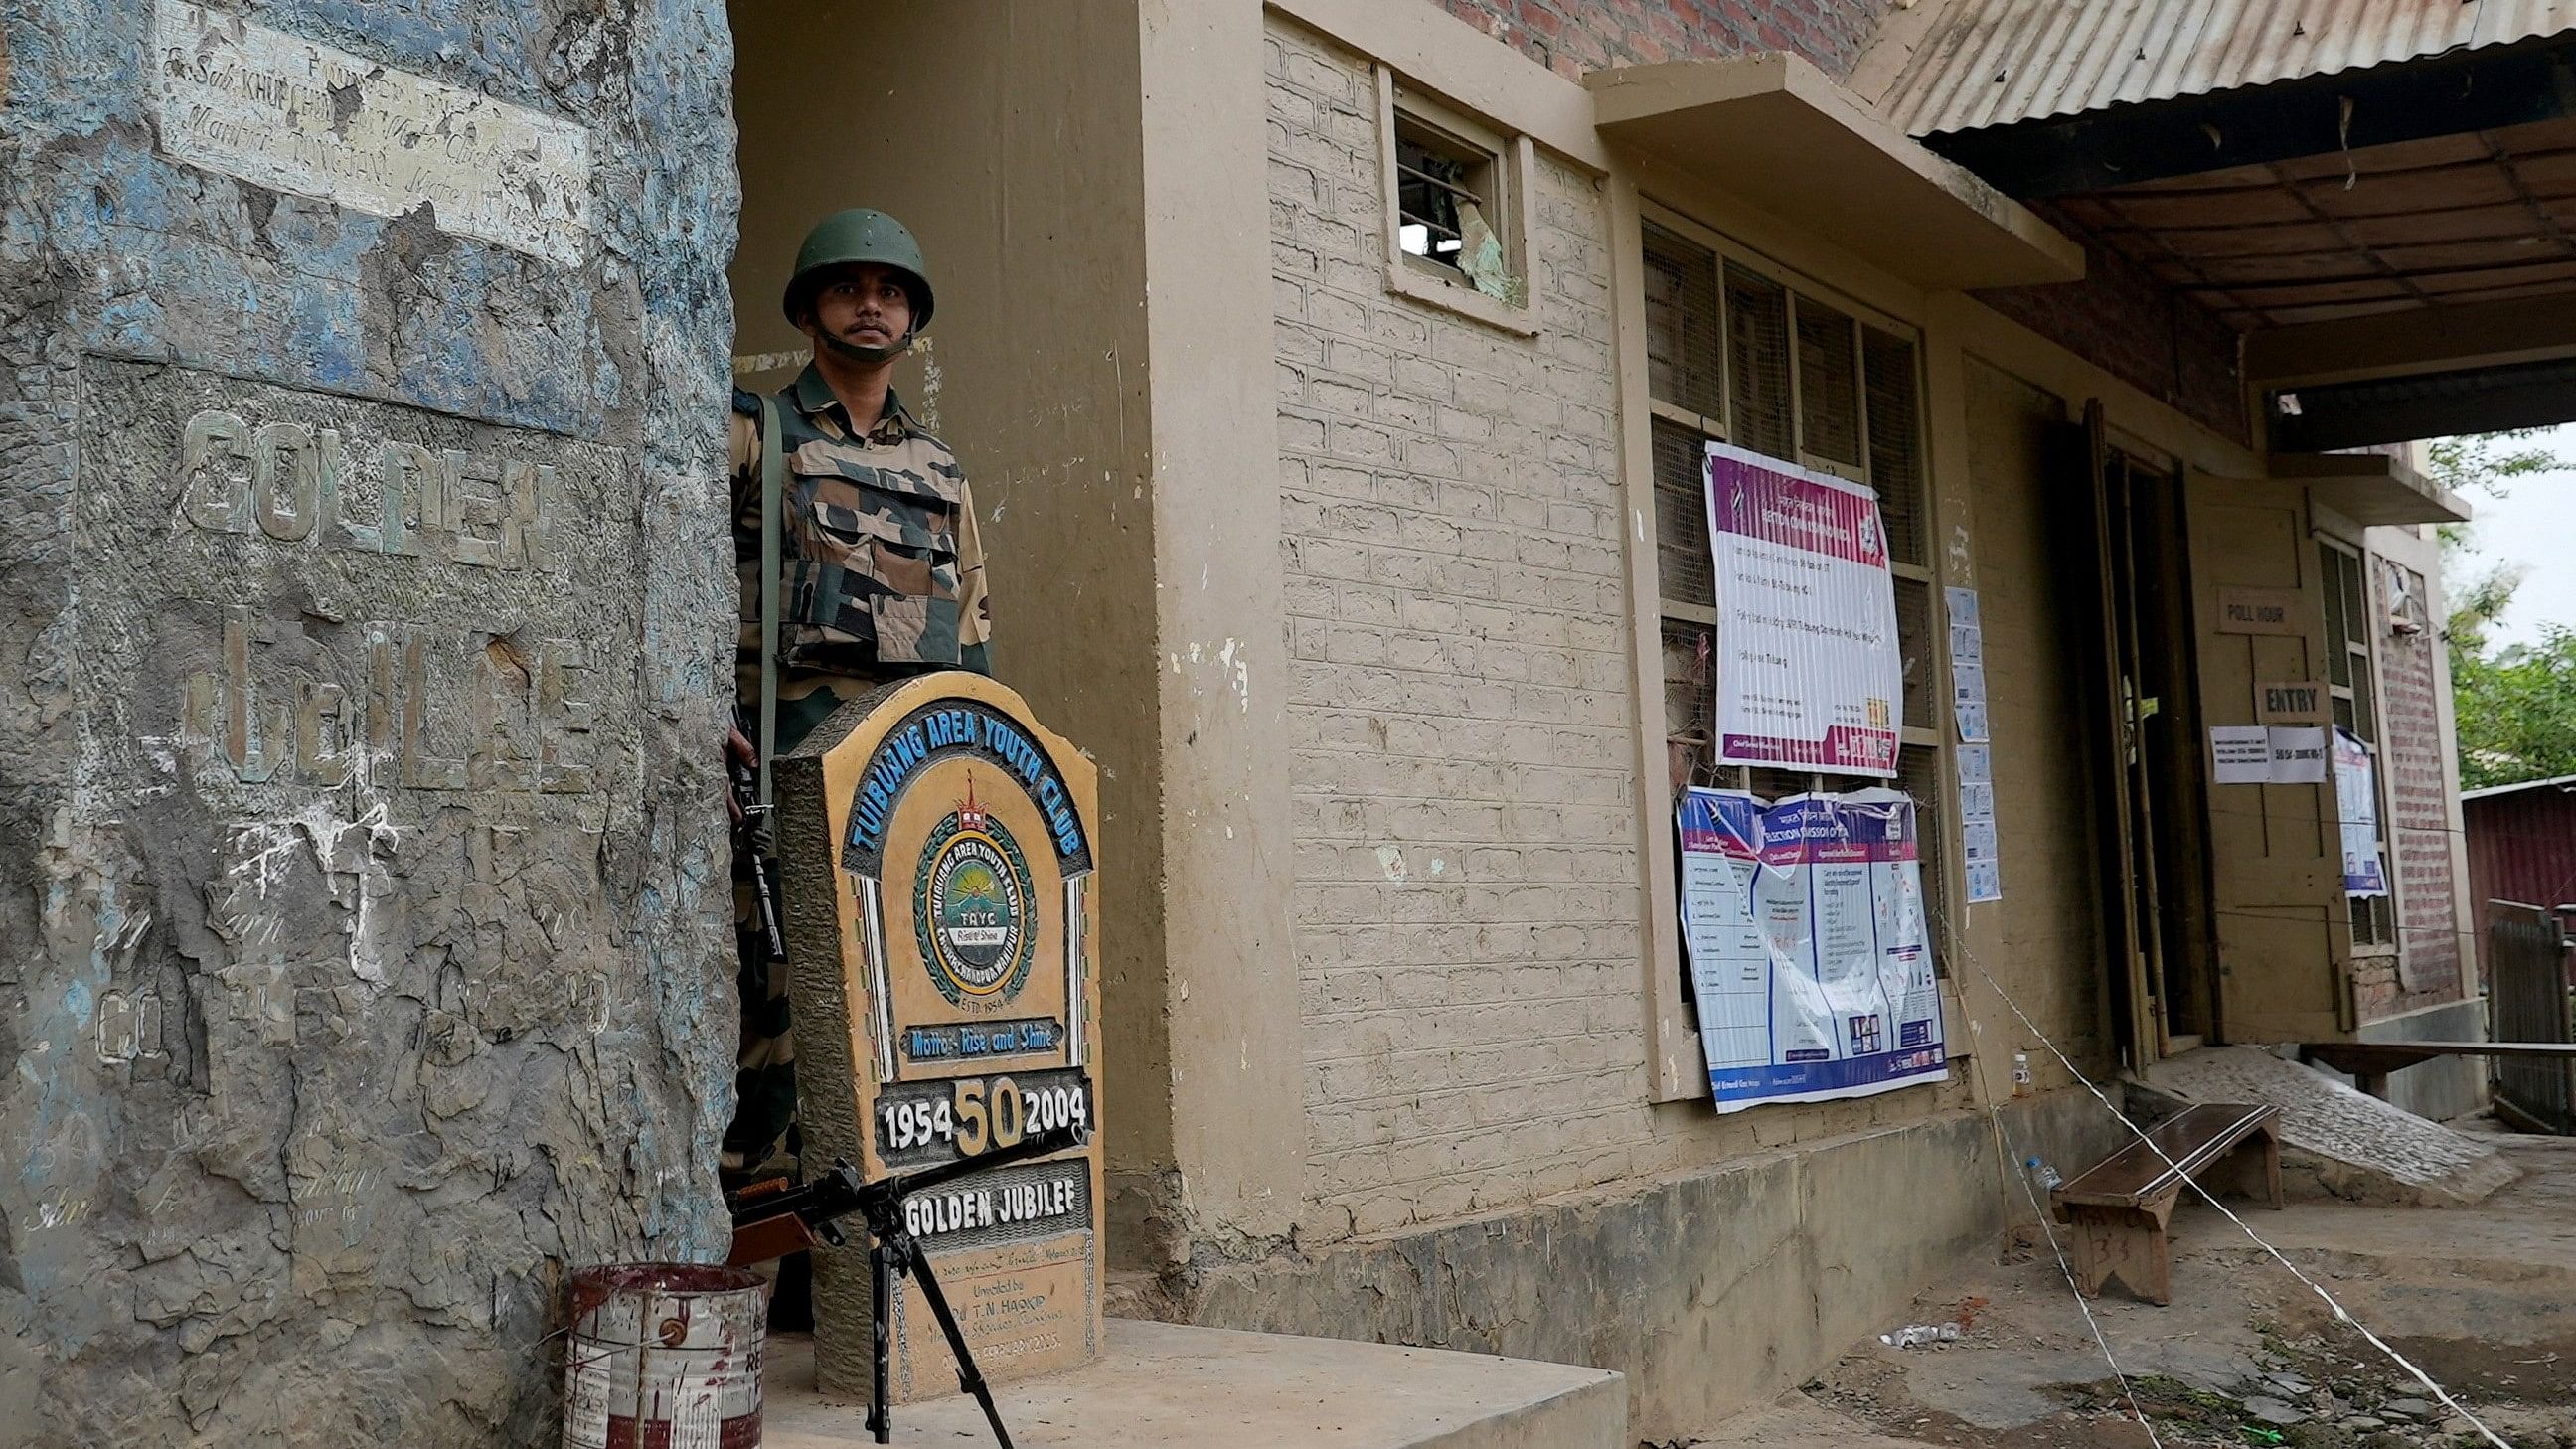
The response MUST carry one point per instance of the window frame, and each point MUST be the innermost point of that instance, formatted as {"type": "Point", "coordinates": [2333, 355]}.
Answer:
{"type": "Point", "coordinates": [2362, 658]}
{"type": "Point", "coordinates": [1514, 159]}
{"type": "Point", "coordinates": [1656, 609]}
{"type": "Point", "coordinates": [1862, 316]}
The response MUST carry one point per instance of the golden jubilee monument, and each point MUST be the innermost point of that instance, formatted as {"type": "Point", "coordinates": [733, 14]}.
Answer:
{"type": "Point", "coordinates": [937, 845]}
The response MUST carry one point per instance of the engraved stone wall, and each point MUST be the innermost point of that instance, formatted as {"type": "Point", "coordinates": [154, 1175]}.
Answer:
{"type": "Point", "coordinates": [365, 613]}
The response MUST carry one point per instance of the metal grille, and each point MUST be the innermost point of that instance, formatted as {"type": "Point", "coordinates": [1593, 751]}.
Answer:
{"type": "Point", "coordinates": [1915, 642]}
{"type": "Point", "coordinates": [1919, 775]}
{"type": "Point", "coordinates": [1774, 784]}
{"type": "Point", "coordinates": [2531, 1003]}
{"type": "Point", "coordinates": [1683, 324]}
{"type": "Point", "coordinates": [1828, 383]}
{"type": "Point", "coordinates": [1689, 702]}
{"type": "Point", "coordinates": [1440, 187]}
{"type": "Point", "coordinates": [1757, 364]}
{"type": "Point", "coordinates": [1895, 442]}
{"type": "Point", "coordinates": [1684, 570]}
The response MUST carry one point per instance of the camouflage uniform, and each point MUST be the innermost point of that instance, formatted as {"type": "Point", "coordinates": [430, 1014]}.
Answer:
{"type": "Point", "coordinates": [881, 575]}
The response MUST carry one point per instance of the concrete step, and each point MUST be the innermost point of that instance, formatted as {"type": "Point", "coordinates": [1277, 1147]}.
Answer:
{"type": "Point", "coordinates": [2335, 1141]}
{"type": "Point", "coordinates": [1167, 1386]}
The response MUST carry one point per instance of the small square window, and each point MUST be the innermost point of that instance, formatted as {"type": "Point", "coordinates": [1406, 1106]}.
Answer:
{"type": "Point", "coordinates": [1445, 199]}
{"type": "Point", "coordinates": [1457, 199]}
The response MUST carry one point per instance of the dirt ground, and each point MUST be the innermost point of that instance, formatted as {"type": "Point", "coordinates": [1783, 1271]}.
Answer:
{"type": "Point", "coordinates": [2482, 1298]}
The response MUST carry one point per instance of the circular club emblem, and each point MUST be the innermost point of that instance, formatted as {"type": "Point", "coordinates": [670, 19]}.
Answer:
{"type": "Point", "coordinates": [971, 907]}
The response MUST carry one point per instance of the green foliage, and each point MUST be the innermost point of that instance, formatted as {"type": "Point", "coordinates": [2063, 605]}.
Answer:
{"type": "Point", "coordinates": [2516, 706]}
{"type": "Point", "coordinates": [2485, 462]}
{"type": "Point", "coordinates": [2517, 710]}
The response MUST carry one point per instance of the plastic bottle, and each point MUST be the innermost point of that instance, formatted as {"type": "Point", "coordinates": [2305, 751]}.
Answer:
{"type": "Point", "coordinates": [2042, 1176]}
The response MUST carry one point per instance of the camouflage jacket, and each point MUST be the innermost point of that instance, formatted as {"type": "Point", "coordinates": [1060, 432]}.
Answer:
{"type": "Point", "coordinates": [881, 571]}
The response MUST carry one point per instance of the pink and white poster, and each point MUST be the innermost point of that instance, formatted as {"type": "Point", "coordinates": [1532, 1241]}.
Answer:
{"type": "Point", "coordinates": [1808, 671]}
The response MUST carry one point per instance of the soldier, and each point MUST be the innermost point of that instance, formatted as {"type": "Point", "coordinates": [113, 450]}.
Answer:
{"type": "Point", "coordinates": [869, 569]}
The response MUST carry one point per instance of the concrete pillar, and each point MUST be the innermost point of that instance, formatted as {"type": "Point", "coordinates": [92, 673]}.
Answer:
{"type": "Point", "coordinates": [1238, 1119]}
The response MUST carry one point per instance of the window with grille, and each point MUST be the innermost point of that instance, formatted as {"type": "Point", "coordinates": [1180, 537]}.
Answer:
{"type": "Point", "coordinates": [1739, 352]}
{"type": "Point", "coordinates": [1444, 189]}
{"type": "Point", "coordinates": [1457, 208]}
{"type": "Point", "coordinates": [2353, 684]}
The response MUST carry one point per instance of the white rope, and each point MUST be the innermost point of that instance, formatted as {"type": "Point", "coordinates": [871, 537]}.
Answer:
{"type": "Point", "coordinates": [1994, 1113]}
{"type": "Point", "coordinates": [2341, 1313]}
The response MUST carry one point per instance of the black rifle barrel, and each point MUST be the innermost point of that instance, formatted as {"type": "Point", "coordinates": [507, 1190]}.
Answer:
{"type": "Point", "coordinates": [1036, 1144]}
{"type": "Point", "coordinates": [841, 1192]}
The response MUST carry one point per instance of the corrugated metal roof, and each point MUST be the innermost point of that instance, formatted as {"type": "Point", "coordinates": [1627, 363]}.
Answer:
{"type": "Point", "coordinates": [2490, 791]}
{"type": "Point", "coordinates": [1972, 63]}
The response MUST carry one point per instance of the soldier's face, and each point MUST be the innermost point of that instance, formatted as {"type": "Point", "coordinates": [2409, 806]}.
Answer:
{"type": "Point", "coordinates": [864, 305]}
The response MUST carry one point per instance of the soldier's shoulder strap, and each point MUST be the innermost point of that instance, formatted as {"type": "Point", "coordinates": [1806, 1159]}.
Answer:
{"type": "Point", "coordinates": [773, 485]}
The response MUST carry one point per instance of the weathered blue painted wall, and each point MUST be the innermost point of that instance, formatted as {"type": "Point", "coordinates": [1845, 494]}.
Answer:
{"type": "Point", "coordinates": [364, 636]}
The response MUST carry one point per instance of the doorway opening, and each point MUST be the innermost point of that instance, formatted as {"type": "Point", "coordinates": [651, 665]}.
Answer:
{"type": "Point", "coordinates": [2129, 541]}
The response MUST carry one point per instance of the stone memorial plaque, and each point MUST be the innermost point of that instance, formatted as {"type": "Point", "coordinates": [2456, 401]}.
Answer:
{"type": "Point", "coordinates": [936, 849]}
{"type": "Point", "coordinates": [296, 115]}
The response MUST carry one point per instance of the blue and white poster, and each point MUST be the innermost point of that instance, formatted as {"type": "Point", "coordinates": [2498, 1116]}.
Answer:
{"type": "Point", "coordinates": [1809, 954]}
{"type": "Point", "coordinates": [2357, 802]}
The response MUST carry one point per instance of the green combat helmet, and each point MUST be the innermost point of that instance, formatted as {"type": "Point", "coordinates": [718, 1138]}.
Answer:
{"type": "Point", "coordinates": [859, 234]}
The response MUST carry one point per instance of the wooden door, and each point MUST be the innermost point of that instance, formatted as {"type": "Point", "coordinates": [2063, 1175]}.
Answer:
{"type": "Point", "coordinates": [2090, 525]}
{"type": "Point", "coordinates": [2277, 867]}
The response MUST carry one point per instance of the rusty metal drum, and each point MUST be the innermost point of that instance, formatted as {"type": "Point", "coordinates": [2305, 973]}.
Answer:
{"type": "Point", "coordinates": [664, 1356]}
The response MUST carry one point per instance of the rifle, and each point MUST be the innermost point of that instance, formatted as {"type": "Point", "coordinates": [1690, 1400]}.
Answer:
{"type": "Point", "coordinates": [756, 838]}
{"type": "Point", "coordinates": [771, 1219]}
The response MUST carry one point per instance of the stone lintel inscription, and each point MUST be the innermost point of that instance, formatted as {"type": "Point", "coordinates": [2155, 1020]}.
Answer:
{"type": "Point", "coordinates": [294, 115]}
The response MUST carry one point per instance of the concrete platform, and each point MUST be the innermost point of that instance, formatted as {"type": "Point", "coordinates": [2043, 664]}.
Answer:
{"type": "Point", "coordinates": [1166, 1386]}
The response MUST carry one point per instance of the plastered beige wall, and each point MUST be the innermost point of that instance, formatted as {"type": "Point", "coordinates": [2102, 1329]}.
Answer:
{"type": "Point", "coordinates": [2042, 942]}
{"type": "Point", "coordinates": [1117, 435]}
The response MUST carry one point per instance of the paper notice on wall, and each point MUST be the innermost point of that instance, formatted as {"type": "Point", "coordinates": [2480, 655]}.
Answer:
{"type": "Point", "coordinates": [2356, 778]}
{"type": "Point", "coordinates": [2298, 755]}
{"type": "Point", "coordinates": [2267, 755]}
{"type": "Point", "coordinates": [1810, 959]}
{"type": "Point", "coordinates": [1979, 845]}
{"type": "Point", "coordinates": [1808, 671]}
{"type": "Point", "coordinates": [2240, 755]}
{"type": "Point", "coordinates": [1967, 666]}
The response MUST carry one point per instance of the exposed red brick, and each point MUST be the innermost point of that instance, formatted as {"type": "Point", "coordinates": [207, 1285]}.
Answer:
{"type": "Point", "coordinates": [2418, 802]}
{"type": "Point", "coordinates": [2140, 332]}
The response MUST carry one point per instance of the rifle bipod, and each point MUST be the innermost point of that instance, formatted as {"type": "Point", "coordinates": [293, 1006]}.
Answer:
{"type": "Point", "coordinates": [889, 1258]}
{"type": "Point", "coordinates": [771, 1220]}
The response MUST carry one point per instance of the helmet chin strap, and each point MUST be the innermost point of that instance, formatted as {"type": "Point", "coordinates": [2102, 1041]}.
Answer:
{"type": "Point", "coordinates": [865, 356]}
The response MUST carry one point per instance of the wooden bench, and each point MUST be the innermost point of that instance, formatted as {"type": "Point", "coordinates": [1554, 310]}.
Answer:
{"type": "Point", "coordinates": [2370, 1063]}
{"type": "Point", "coordinates": [2120, 1206]}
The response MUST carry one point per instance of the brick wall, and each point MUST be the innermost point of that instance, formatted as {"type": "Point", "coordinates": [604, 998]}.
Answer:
{"type": "Point", "coordinates": [1467, 911]}
{"type": "Point", "coordinates": [2147, 336]}
{"type": "Point", "coordinates": [2419, 812]}
{"type": "Point", "coordinates": [1573, 36]}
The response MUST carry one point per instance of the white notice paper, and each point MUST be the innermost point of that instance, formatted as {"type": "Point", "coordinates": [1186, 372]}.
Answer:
{"type": "Point", "coordinates": [2298, 755]}
{"type": "Point", "coordinates": [1975, 724]}
{"type": "Point", "coordinates": [2240, 755]}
